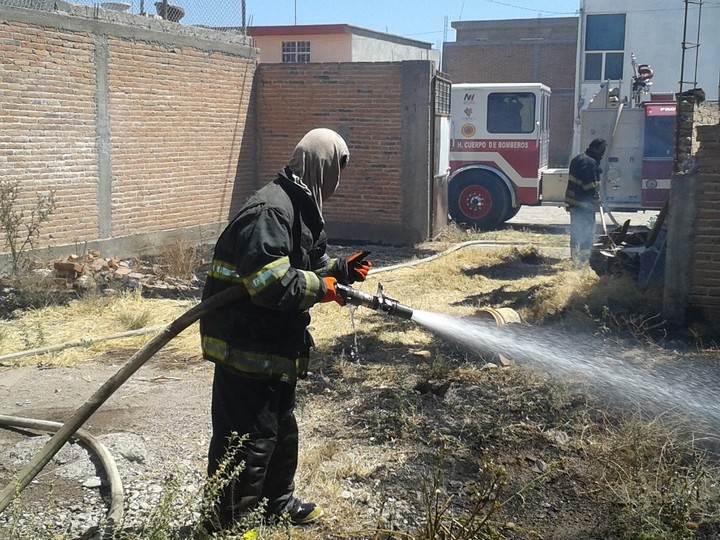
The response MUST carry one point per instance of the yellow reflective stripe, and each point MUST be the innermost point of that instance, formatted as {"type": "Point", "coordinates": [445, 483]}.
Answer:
{"type": "Point", "coordinates": [267, 275]}
{"type": "Point", "coordinates": [224, 271]}
{"type": "Point", "coordinates": [578, 182]}
{"type": "Point", "coordinates": [328, 269]}
{"type": "Point", "coordinates": [312, 289]}
{"type": "Point", "coordinates": [575, 202]}
{"type": "Point", "coordinates": [263, 364]}
{"type": "Point", "coordinates": [217, 350]}
{"type": "Point", "coordinates": [214, 349]}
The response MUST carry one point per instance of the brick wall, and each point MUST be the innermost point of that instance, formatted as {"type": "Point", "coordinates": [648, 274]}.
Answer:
{"type": "Point", "coordinates": [692, 267]}
{"type": "Point", "coordinates": [47, 125]}
{"type": "Point", "coordinates": [178, 120]}
{"type": "Point", "coordinates": [705, 291]}
{"type": "Point", "coordinates": [140, 127]}
{"type": "Point", "coordinates": [148, 130]}
{"type": "Point", "coordinates": [369, 105]}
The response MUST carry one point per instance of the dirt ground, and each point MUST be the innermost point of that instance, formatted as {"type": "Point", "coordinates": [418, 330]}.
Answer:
{"type": "Point", "coordinates": [157, 427]}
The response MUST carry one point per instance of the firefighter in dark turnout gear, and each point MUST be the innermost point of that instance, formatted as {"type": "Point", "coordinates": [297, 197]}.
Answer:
{"type": "Point", "coordinates": [275, 248]}
{"type": "Point", "coordinates": [583, 198]}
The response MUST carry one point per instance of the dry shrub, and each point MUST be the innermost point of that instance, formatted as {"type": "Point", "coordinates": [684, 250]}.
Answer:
{"type": "Point", "coordinates": [561, 293]}
{"type": "Point", "coordinates": [611, 303]}
{"type": "Point", "coordinates": [179, 259]}
{"type": "Point", "coordinates": [660, 479]}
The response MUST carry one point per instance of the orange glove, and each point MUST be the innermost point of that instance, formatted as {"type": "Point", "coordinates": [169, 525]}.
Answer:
{"type": "Point", "coordinates": [356, 267]}
{"type": "Point", "coordinates": [331, 295]}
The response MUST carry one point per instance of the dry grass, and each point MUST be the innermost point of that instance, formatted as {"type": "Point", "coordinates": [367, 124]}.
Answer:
{"type": "Point", "coordinates": [457, 283]}
{"type": "Point", "coordinates": [90, 318]}
{"type": "Point", "coordinates": [364, 425]}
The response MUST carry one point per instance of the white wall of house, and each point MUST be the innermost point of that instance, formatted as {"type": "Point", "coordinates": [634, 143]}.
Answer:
{"type": "Point", "coordinates": [654, 33]}
{"type": "Point", "coordinates": [368, 49]}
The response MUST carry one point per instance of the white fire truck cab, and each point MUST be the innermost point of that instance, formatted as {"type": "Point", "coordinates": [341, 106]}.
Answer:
{"type": "Point", "coordinates": [499, 136]}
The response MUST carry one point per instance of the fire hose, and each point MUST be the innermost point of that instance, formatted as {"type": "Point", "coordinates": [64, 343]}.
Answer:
{"type": "Point", "coordinates": [72, 427]}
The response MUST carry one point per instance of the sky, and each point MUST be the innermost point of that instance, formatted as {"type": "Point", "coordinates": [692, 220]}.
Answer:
{"type": "Point", "coordinates": [420, 19]}
{"type": "Point", "coordinates": [423, 20]}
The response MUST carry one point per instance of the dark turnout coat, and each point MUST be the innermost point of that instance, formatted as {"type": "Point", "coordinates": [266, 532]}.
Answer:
{"type": "Point", "coordinates": [583, 182]}
{"type": "Point", "coordinates": [274, 247]}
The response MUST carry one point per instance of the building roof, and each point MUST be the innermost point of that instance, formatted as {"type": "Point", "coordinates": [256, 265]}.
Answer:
{"type": "Point", "coordinates": [329, 29]}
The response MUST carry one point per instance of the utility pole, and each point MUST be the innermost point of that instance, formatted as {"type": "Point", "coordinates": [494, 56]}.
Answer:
{"type": "Point", "coordinates": [243, 25]}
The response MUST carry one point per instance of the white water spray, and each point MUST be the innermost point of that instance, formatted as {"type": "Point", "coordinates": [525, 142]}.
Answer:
{"type": "Point", "coordinates": [686, 387]}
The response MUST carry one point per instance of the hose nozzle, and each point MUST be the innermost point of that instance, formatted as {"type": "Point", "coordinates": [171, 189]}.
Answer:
{"type": "Point", "coordinates": [377, 302]}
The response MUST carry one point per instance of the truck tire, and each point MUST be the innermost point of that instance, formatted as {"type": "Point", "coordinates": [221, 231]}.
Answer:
{"type": "Point", "coordinates": [512, 212]}
{"type": "Point", "coordinates": [478, 199]}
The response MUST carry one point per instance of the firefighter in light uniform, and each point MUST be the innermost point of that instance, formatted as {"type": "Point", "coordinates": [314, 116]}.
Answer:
{"type": "Point", "coordinates": [274, 248]}
{"type": "Point", "coordinates": [583, 199]}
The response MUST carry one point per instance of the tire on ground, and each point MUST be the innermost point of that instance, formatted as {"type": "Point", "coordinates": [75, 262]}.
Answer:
{"type": "Point", "coordinates": [478, 199]}
{"type": "Point", "coordinates": [512, 212]}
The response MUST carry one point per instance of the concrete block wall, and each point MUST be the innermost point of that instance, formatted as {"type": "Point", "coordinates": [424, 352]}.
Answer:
{"type": "Point", "coordinates": [692, 271]}
{"type": "Point", "coordinates": [142, 128]}
{"type": "Point", "coordinates": [383, 111]}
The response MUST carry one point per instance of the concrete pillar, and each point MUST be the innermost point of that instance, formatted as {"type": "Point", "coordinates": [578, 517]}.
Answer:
{"type": "Point", "coordinates": [679, 256]}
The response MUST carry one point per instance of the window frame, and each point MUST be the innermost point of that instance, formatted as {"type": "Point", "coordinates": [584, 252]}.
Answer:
{"type": "Point", "coordinates": [295, 52]}
{"type": "Point", "coordinates": [607, 46]}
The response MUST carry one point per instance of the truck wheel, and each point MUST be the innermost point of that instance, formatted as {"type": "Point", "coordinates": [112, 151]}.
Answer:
{"type": "Point", "coordinates": [512, 212]}
{"type": "Point", "coordinates": [478, 199]}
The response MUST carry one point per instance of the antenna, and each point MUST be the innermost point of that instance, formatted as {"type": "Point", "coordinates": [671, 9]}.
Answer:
{"type": "Point", "coordinates": [442, 50]}
{"type": "Point", "coordinates": [677, 164]}
{"type": "Point", "coordinates": [686, 45]}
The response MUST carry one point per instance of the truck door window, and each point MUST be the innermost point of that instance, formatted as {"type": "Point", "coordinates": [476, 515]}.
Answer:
{"type": "Point", "coordinates": [659, 137]}
{"type": "Point", "coordinates": [511, 112]}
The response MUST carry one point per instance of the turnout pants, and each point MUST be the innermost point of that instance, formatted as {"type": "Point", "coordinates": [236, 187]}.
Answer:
{"type": "Point", "coordinates": [264, 411]}
{"type": "Point", "coordinates": [582, 233]}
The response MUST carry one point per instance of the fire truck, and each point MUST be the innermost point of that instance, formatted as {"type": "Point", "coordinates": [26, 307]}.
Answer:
{"type": "Point", "coordinates": [499, 136]}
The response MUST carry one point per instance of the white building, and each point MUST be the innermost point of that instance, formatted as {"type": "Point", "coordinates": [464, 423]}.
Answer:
{"type": "Point", "coordinates": [612, 31]}
{"type": "Point", "coordinates": [336, 43]}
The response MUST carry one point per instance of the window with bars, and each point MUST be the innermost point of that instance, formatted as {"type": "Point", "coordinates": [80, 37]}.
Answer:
{"type": "Point", "coordinates": [604, 46]}
{"type": "Point", "coordinates": [442, 97]}
{"type": "Point", "coordinates": [295, 52]}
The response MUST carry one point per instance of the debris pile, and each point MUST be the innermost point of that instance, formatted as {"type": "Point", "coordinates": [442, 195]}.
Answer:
{"type": "Point", "coordinates": [60, 281]}
{"type": "Point", "coordinates": [636, 252]}
{"type": "Point", "coordinates": [91, 272]}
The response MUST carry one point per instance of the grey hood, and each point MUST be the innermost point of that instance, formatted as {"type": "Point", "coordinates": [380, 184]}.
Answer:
{"type": "Point", "coordinates": [317, 161]}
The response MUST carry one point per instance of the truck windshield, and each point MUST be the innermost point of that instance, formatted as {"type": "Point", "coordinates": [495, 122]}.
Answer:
{"type": "Point", "coordinates": [511, 112]}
